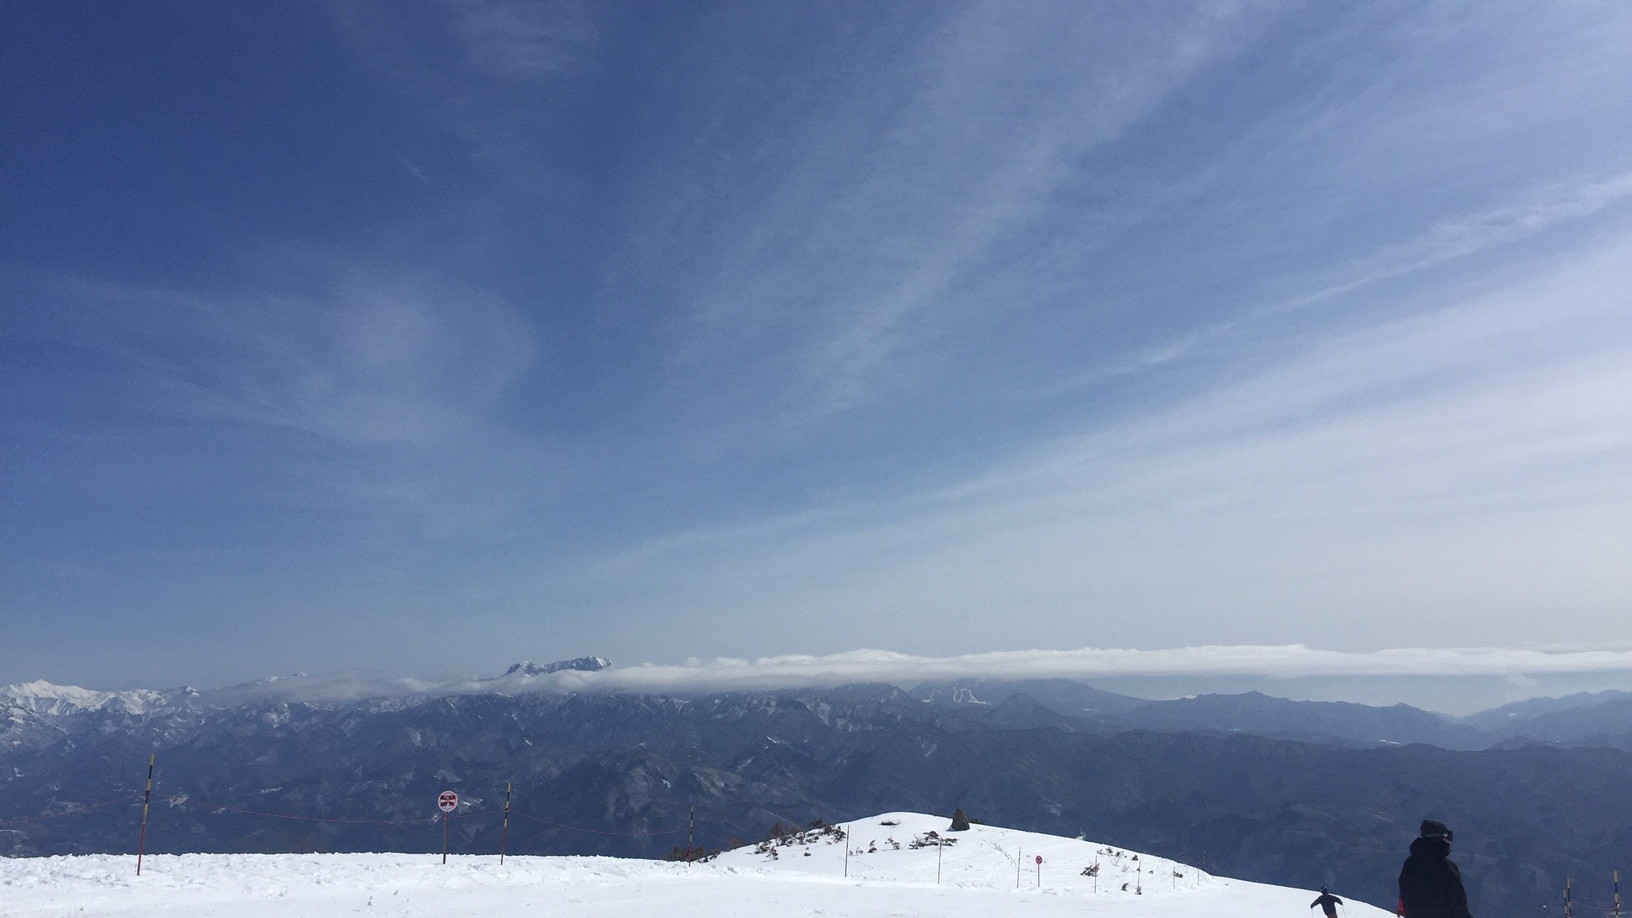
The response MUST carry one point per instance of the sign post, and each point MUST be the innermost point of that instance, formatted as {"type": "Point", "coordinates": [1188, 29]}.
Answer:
{"type": "Point", "coordinates": [1039, 871]}
{"type": "Point", "coordinates": [447, 802]}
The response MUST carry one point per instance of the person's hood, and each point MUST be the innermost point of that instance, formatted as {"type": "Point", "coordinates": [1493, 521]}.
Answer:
{"type": "Point", "coordinates": [1430, 847]}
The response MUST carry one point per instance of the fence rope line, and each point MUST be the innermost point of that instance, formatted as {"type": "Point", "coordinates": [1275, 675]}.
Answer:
{"type": "Point", "coordinates": [420, 819]}
{"type": "Point", "coordinates": [187, 801]}
{"type": "Point", "coordinates": [26, 820]}
{"type": "Point", "coordinates": [194, 803]}
{"type": "Point", "coordinates": [221, 807]}
{"type": "Point", "coordinates": [561, 825]}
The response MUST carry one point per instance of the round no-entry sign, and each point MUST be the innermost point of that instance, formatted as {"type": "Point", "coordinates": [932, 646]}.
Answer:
{"type": "Point", "coordinates": [1039, 858]}
{"type": "Point", "coordinates": [447, 801]}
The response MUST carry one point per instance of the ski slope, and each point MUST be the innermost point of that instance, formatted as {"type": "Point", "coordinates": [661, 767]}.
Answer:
{"type": "Point", "coordinates": [987, 871]}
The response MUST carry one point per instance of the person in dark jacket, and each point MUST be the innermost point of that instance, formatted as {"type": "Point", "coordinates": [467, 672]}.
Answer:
{"type": "Point", "coordinates": [1430, 883]}
{"type": "Point", "coordinates": [1328, 903]}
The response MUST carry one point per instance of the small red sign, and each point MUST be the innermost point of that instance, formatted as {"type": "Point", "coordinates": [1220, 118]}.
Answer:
{"type": "Point", "coordinates": [1039, 858]}
{"type": "Point", "coordinates": [447, 801]}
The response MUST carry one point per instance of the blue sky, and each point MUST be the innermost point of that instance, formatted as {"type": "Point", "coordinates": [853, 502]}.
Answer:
{"type": "Point", "coordinates": [424, 338]}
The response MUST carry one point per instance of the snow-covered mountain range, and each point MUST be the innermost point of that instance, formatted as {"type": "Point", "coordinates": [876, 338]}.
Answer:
{"type": "Point", "coordinates": [1265, 789]}
{"type": "Point", "coordinates": [32, 711]}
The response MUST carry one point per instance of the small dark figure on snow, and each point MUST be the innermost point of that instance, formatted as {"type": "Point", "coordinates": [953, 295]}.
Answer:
{"type": "Point", "coordinates": [1430, 883]}
{"type": "Point", "coordinates": [960, 821]}
{"type": "Point", "coordinates": [1328, 903]}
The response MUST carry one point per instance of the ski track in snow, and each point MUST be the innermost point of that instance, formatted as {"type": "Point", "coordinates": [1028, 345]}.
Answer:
{"type": "Point", "coordinates": [978, 876]}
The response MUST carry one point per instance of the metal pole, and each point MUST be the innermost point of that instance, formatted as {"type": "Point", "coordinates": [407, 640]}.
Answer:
{"type": "Point", "coordinates": [847, 851]}
{"type": "Point", "coordinates": [504, 833]}
{"type": "Point", "coordinates": [939, 844]}
{"type": "Point", "coordinates": [1019, 857]}
{"type": "Point", "coordinates": [147, 795]}
{"type": "Point", "coordinates": [444, 838]}
{"type": "Point", "coordinates": [691, 832]}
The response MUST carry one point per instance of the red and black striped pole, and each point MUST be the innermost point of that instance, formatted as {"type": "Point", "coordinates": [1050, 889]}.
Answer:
{"type": "Point", "coordinates": [147, 795]}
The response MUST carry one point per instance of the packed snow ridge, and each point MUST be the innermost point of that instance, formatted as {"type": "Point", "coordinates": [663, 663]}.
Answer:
{"type": "Point", "coordinates": [887, 865]}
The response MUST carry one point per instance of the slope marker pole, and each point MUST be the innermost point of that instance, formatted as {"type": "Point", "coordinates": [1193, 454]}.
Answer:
{"type": "Point", "coordinates": [504, 832]}
{"type": "Point", "coordinates": [847, 852]}
{"type": "Point", "coordinates": [147, 795]}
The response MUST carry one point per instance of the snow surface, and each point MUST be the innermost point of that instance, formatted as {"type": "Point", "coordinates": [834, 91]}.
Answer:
{"type": "Point", "coordinates": [989, 871]}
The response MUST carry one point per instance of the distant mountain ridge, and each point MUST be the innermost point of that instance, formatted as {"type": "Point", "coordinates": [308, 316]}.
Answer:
{"type": "Point", "coordinates": [1295, 793]}
{"type": "Point", "coordinates": [1603, 718]}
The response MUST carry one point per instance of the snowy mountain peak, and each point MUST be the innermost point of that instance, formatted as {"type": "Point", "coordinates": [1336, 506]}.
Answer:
{"type": "Point", "coordinates": [47, 699]}
{"type": "Point", "coordinates": [581, 664]}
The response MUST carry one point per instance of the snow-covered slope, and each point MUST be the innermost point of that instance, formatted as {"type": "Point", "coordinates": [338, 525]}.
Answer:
{"type": "Point", "coordinates": [987, 871]}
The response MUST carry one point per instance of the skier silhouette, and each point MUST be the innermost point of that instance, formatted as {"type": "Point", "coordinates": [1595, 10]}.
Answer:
{"type": "Point", "coordinates": [1328, 903]}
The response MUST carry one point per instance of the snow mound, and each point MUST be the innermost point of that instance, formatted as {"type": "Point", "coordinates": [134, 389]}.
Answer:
{"type": "Point", "coordinates": [892, 868]}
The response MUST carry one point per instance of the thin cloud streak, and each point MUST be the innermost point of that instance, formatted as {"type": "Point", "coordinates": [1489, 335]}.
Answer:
{"type": "Point", "coordinates": [1542, 210]}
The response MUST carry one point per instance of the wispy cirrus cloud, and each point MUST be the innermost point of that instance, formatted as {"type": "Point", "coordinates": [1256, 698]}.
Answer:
{"type": "Point", "coordinates": [357, 398]}
{"type": "Point", "coordinates": [883, 196]}
{"type": "Point", "coordinates": [362, 361]}
{"type": "Point", "coordinates": [1535, 211]}
{"type": "Point", "coordinates": [1463, 461]}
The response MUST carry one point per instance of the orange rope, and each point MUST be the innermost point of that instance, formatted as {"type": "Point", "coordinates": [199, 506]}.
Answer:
{"type": "Point", "coordinates": [343, 820]}
{"type": "Point", "coordinates": [74, 812]}
{"type": "Point", "coordinates": [330, 819]}
{"type": "Point", "coordinates": [561, 825]}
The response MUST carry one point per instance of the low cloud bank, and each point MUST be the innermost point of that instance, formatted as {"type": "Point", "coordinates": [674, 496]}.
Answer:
{"type": "Point", "coordinates": [1089, 664]}
{"type": "Point", "coordinates": [1292, 661]}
